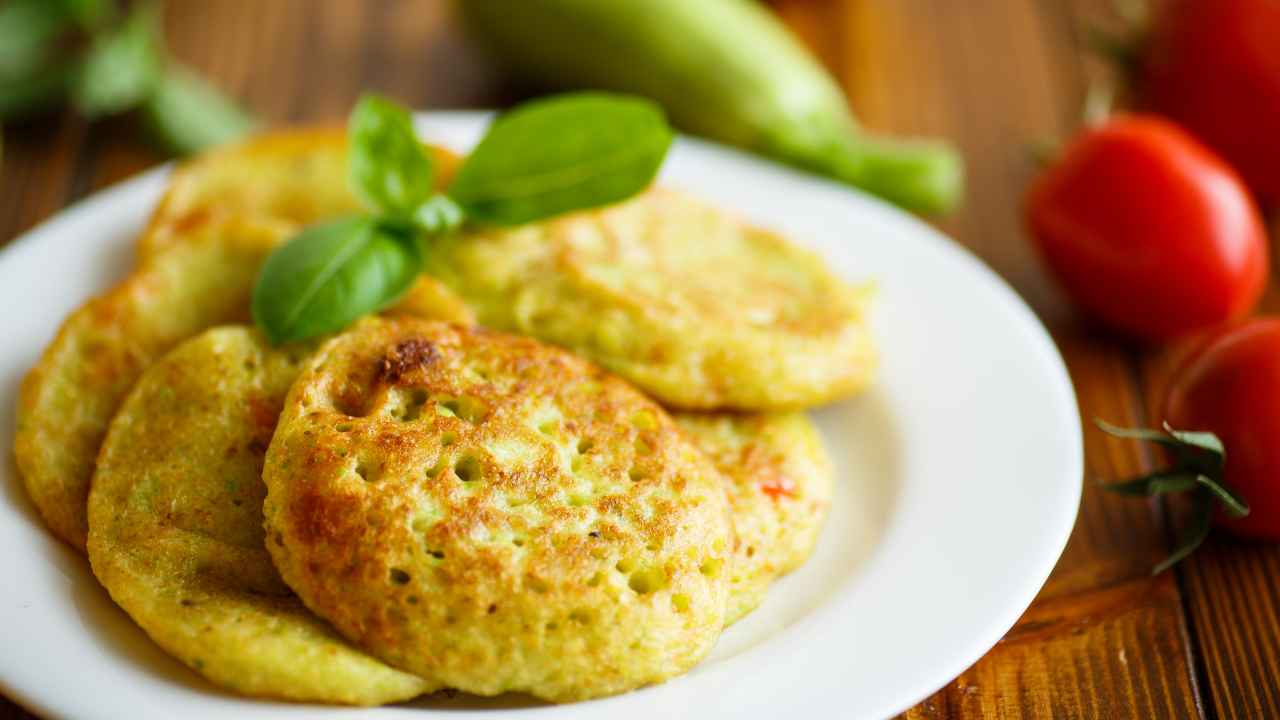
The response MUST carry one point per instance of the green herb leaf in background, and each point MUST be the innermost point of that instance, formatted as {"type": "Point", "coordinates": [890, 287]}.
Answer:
{"type": "Point", "coordinates": [332, 274]}
{"type": "Point", "coordinates": [122, 67]}
{"type": "Point", "coordinates": [389, 168]}
{"type": "Point", "coordinates": [28, 29]}
{"type": "Point", "coordinates": [185, 114]}
{"type": "Point", "coordinates": [31, 30]}
{"type": "Point", "coordinates": [88, 13]}
{"type": "Point", "coordinates": [34, 74]}
{"type": "Point", "coordinates": [559, 154]}
{"type": "Point", "coordinates": [55, 50]}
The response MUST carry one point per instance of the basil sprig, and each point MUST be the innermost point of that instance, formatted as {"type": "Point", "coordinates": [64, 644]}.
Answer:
{"type": "Point", "coordinates": [542, 159]}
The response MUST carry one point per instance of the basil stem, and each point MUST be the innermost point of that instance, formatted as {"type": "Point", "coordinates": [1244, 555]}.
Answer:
{"type": "Point", "coordinates": [438, 215]}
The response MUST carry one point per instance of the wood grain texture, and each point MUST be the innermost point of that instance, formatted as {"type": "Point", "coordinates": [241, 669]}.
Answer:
{"type": "Point", "coordinates": [1104, 639]}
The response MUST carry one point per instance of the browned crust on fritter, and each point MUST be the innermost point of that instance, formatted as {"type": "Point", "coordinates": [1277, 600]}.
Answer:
{"type": "Point", "coordinates": [495, 513]}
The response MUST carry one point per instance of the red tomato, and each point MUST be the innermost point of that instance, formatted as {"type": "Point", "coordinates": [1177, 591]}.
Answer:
{"type": "Point", "coordinates": [1148, 230]}
{"type": "Point", "coordinates": [1232, 388]}
{"type": "Point", "coordinates": [1214, 66]}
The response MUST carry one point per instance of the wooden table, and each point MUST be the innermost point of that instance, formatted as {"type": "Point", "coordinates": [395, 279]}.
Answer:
{"type": "Point", "coordinates": [1104, 638]}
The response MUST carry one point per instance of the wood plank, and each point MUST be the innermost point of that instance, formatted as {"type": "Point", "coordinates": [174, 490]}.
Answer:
{"type": "Point", "coordinates": [1073, 657]}
{"type": "Point", "coordinates": [38, 170]}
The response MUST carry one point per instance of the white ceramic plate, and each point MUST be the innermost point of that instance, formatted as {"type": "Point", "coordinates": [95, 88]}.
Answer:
{"type": "Point", "coordinates": [958, 481]}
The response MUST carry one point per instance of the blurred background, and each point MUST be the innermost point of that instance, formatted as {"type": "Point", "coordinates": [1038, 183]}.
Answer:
{"type": "Point", "coordinates": [996, 79]}
{"type": "Point", "coordinates": [992, 76]}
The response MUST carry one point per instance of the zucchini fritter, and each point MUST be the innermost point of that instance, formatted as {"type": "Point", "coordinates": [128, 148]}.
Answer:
{"type": "Point", "coordinates": [175, 528]}
{"type": "Point", "coordinates": [495, 513]}
{"type": "Point", "coordinates": [778, 479]}
{"type": "Point", "coordinates": [70, 395]}
{"type": "Point", "coordinates": [686, 301]}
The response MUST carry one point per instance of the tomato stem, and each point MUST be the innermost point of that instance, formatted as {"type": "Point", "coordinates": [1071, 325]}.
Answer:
{"type": "Point", "coordinates": [1198, 461]}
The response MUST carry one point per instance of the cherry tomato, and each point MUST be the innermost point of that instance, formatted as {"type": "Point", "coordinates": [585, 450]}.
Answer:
{"type": "Point", "coordinates": [1148, 230]}
{"type": "Point", "coordinates": [1214, 67]}
{"type": "Point", "coordinates": [1232, 389]}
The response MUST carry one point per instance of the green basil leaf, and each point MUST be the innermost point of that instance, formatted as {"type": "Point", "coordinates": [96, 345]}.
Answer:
{"type": "Point", "coordinates": [389, 168]}
{"type": "Point", "coordinates": [185, 114]}
{"type": "Point", "coordinates": [560, 154]}
{"type": "Point", "coordinates": [30, 31]}
{"type": "Point", "coordinates": [331, 274]}
{"type": "Point", "coordinates": [121, 67]}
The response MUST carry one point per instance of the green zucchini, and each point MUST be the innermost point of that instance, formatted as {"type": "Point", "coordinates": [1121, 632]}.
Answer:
{"type": "Point", "coordinates": [724, 69]}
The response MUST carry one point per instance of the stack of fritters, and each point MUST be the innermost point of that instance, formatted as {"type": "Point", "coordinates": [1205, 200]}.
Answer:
{"type": "Point", "coordinates": [444, 505]}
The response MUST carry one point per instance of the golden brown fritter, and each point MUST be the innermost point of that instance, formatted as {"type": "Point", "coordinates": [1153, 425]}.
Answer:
{"type": "Point", "coordinates": [496, 514]}
{"type": "Point", "coordinates": [778, 478]}
{"type": "Point", "coordinates": [297, 176]}
{"type": "Point", "coordinates": [175, 529]}
{"type": "Point", "coordinates": [686, 301]}
{"type": "Point", "coordinates": [69, 397]}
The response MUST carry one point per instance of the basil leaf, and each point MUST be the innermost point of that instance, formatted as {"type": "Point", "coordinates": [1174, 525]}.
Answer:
{"type": "Point", "coordinates": [563, 153]}
{"type": "Point", "coordinates": [122, 66]}
{"type": "Point", "coordinates": [389, 168]}
{"type": "Point", "coordinates": [185, 114]}
{"type": "Point", "coordinates": [330, 275]}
